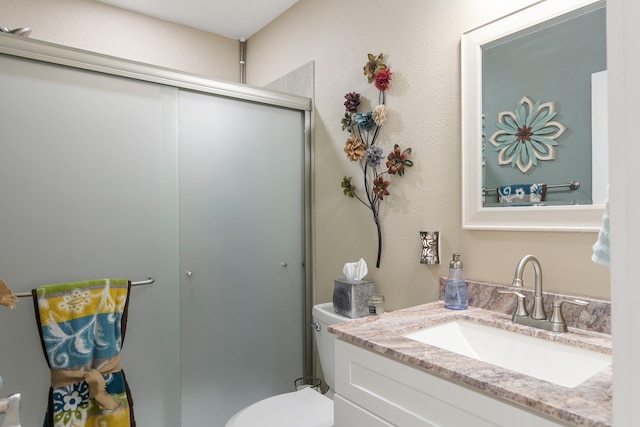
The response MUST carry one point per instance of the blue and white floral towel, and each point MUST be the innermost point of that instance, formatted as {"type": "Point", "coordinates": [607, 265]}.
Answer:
{"type": "Point", "coordinates": [81, 328]}
{"type": "Point", "coordinates": [522, 193]}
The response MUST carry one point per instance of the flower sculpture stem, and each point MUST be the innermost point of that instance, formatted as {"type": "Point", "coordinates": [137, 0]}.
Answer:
{"type": "Point", "coordinates": [376, 219]}
{"type": "Point", "coordinates": [362, 146]}
{"type": "Point", "coordinates": [374, 205]}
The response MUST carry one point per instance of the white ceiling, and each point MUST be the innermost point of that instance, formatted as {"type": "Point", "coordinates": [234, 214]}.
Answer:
{"type": "Point", "coordinates": [236, 19]}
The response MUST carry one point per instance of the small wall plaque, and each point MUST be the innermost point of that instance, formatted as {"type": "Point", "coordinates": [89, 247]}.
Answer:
{"type": "Point", "coordinates": [430, 247]}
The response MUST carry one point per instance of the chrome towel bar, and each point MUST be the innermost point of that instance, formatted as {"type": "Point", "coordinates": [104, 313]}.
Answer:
{"type": "Point", "coordinates": [149, 281]}
{"type": "Point", "coordinates": [573, 186]}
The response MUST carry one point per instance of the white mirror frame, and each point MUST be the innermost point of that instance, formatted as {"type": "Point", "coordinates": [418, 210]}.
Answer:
{"type": "Point", "coordinates": [531, 218]}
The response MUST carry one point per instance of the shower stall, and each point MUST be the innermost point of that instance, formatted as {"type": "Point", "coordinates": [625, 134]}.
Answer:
{"type": "Point", "coordinates": [110, 168]}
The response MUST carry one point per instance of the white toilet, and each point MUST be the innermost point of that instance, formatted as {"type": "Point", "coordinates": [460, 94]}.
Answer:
{"type": "Point", "coordinates": [306, 407]}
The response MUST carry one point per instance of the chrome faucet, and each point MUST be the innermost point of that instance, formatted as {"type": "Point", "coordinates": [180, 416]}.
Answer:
{"type": "Point", "coordinates": [537, 312]}
{"type": "Point", "coordinates": [538, 318]}
{"type": "Point", "coordinates": [11, 406]}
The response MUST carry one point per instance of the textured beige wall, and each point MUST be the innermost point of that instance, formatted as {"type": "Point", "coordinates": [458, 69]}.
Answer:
{"type": "Point", "coordinates": [94, 26]}
{"type": "Point", "coordinates": [421, 40]}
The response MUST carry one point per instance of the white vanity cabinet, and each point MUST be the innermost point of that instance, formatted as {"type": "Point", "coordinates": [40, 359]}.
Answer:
{"type": "Point", "coordinates": [376, 391]}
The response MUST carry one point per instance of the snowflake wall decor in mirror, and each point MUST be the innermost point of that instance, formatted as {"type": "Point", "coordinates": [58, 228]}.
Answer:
{"type": "Point", "coordinates": [527, 135]}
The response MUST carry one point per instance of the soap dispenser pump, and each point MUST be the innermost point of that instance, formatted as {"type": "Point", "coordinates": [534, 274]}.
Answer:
{"type": "Point", "coordinates": [456, 296]}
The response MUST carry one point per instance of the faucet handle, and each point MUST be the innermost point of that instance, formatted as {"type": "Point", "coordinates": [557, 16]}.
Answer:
{"type": "Point", "coordinates": [556, 316]}
{"type": "Point", "coordinates": [521, 310]}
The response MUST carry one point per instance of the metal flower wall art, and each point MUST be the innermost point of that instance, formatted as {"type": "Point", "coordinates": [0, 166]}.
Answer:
{"type": "Point", "coordinates": [363, 146]}
{"type": "Point", "coordinates": [527, 135]}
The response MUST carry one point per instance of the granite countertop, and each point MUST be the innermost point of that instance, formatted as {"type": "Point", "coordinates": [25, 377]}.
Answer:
{"type": "Point", "coordinates": [588, 404]}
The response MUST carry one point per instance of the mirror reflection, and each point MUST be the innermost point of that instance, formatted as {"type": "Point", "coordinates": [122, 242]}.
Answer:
{"type": "Point", "coordinates": [544, 113]}
{"type": "Point", "coordinates": [534, 119]}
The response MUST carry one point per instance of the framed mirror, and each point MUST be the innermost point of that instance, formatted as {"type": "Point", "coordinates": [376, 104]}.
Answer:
{"type": "Point", "coordinates": [534, 125]}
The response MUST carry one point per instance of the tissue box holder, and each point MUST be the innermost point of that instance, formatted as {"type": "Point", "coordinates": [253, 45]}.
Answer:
{"type": "Point", "coordinates": [351, 297]}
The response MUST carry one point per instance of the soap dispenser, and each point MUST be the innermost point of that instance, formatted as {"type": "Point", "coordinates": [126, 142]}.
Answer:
{"type": "Point", "coordinates": [456, 296]}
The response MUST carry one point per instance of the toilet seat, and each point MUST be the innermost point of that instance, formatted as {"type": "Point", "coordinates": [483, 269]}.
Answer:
{"type": "Point", "coordinates": [304, 408]}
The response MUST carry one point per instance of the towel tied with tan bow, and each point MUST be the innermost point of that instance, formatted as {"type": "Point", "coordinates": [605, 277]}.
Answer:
{"type": "Point", "coordinates": [82, 327]}
{"type": "Point", "coordinates": [95, 381]}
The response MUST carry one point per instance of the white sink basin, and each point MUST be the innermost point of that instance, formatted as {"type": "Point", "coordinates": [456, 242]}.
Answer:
{"type": "Point", "coordinates": [551, 361]}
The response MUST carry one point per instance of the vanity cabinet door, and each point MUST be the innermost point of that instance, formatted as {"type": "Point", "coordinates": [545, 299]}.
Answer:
{"type": "Point", "coordinates": [393, 393]}
{"type": "Point", "coordinates": [351, 414]}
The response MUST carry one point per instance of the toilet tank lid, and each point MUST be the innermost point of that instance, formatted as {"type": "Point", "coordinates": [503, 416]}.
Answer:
{"type": "Point", "coordinates": [325, 313]}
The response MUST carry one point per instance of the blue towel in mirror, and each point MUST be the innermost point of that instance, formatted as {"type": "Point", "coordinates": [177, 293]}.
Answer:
{"type": "Point", "coordinates": [522, 193]}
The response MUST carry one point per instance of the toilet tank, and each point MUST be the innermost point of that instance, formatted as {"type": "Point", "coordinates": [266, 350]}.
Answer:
{"type": "Point", "coordinates": [324, 315]}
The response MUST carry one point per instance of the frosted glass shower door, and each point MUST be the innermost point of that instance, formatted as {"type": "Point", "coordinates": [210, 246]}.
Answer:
{"type": "Point", "coordinates": [241, 254]}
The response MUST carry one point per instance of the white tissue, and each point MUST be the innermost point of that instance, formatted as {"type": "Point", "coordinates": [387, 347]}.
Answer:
{"type": "Point", "coordinates": [602, 247]}
{"type": "Point", "coordinates": [355, 270]}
